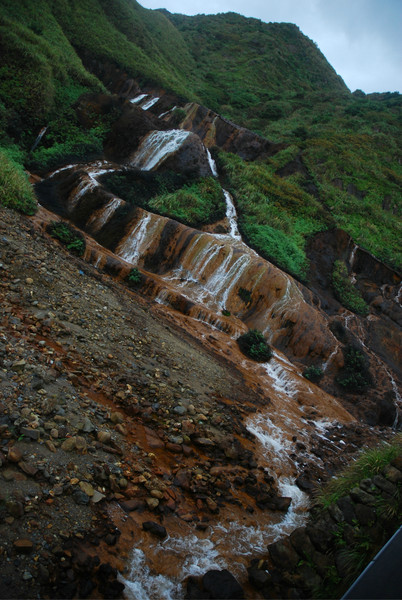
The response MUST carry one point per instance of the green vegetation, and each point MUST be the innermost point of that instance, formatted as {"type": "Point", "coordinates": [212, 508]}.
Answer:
{"type": "Point", "coordinates": [340, 160]}
{"type": "Point", "coordinates": [275, 216]}
{"type": "Point", "coordinates": [355, 376]}
{"type": "Point", "coordinates": [15, 190]}
{"type": "Point", "coordinates": [134, 278]}
{"type": "Point", "coordinates": [245, 295]}
{"type": "Point", "coordinates": [345, 291]}
{"type": "Point", "coordinates": [371, 462]}
{"type": "Point", "coordinates": [195, 204]}
{"type": "Point", "coordinates": [313, 373]}
{"type": "Point", "coordinates": [253, 345]}
{"type": "Point", "coordinates": [71, 238]}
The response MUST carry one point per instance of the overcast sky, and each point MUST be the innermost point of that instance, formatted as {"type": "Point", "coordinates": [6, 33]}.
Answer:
{"type": "Point", "coordinates": [361, 39]}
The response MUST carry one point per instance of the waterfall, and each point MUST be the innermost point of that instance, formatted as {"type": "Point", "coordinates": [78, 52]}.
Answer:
{"type": "Point", "coordinates": [157, 146]}
{"type": "Point", "coordinates": [328, 361]}
{"type": "Point", "coordinates": [212, 163]}
{"type": "Point", "coordinates": [38, 139]}
{"type": "Point", "coordinates": [138, 99]}
{"type": "Point", "coordinates": [133, 245]}
{"type": "Point", "coordinates": [231, 216]}
{"type": "Point", "coordinates": [164, 114]}
{"type": "Point", "coordinates": [90, 181]}
{"type": "Point", "coordinates": [353, 255]}
{"type": "Point", "coordinates": [149, 103]}
{"type": "Point", "coordinates": [100, 217]}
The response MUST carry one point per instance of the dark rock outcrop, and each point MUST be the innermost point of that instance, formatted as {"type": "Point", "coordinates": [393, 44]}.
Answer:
{"type": "Point", "coordinates": [215, 130]}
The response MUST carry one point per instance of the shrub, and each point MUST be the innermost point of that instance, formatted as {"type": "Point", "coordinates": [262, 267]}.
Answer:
{"type": "Point", "coordinates": [253, 345]}
{"type": "Point", "coordinates": [15, 190]}
{"type": "Point", "coordinates": [72, 239]}
{"type": "Point", "coordinates": [355, 375]}
{"type": "Point", "coordinates": [134, 278]}
{"type": "Point", "coordinates": [226, 313]}
{"type": "Point", "coordinates": [313, 373]}
{"type": "Point", "coordinates": [345, 292]}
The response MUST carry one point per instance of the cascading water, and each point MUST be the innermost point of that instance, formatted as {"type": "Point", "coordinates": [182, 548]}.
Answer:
{"type": "Point", "coordinates": [157, 146]}
{"type": "Point", "coordinates": [149, 103]}
{"type": "Point", "coordinates": [231, 216]}
{"type": "Point", "coordinates": [138, 99]}
{"type": "Point", "coordinates": [212, 163]}
{"type": "Point", "coordinates": [100, 217]}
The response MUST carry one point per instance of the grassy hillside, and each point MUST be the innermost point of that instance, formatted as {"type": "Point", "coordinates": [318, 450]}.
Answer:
{"type": "Point", "coordinates": [341, 166]}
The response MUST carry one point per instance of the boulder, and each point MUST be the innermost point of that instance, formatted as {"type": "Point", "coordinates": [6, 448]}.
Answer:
{"type": "Point", "coordinates": [222, 585]}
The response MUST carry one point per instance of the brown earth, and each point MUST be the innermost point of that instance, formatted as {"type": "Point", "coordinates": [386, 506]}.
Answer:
{"type": "Point", "coordinates": [112, 414]}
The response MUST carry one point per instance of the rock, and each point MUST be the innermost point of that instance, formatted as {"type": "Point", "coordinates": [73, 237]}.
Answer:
{"type": "Point", "coordinates": [87, 488]}
{"type": "Point", "coordinates": [28, 469]}
{"type": "Point", "coordinates": [157, 494]}
{"type": "Point", "coordinates": [14, 454]}
{"type": "Point", "coordinates": [221, 585]}
{"type": "Point", "coordinates": [80, 497]}
{"type": "Point", "coordinates": [392, 474]}
{"type": "Point", "coordinates": [283, 555]}
{"type": "Point", "coordinates": [183, 479]}
{"type": "Point", "coordinates": [180, 410]}
{"type": "Point", "coordinates": [134, 504]}
{"type": "Point", "coordinates": [97, 497]}
{"type": "Point", "coordinates": [23, 545]}
{"type": "Point", "coordinates": [258, 577]}
{"type": "Point", "coordinates": [152, 503]}
{"type": "Point", "coordinates": [68, 445]}
{"type": "Point", "coordinates": [14, 508]}
{"type": "Point", "coordinates": [386, 486]}
{"type": "Point", "coordinates": [104, 437]}
{"type": "Point", "coordinates": [347, 508]}
{"type": "Point", "coordinates": [359, 495]}
{"type": "Point", "coordinates": [87, 426]}
{"type": "Point", "coordinates": [212, 505]}
{"type": "Point", "coordinates": [80, 444]}
{"type": "Point", "coordinates": [117, 417]}
{"type": "Point", "coordinates": [155, 528]}
{"type": "Point", "coordinates": [32, 434]}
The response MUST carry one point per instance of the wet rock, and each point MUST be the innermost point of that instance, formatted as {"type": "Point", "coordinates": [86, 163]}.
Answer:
{"type": "Point", "coordinates": [385, 486]}
{"type": "Point", "coordinates": [155, 528]}
{"type": "Point", "coordinates": [134, 504]}
{"type": "Point", "coordinates": [194, 591]}
{"type": "Point", "coordinates": [80, 497]}
{"type": "Point", "coordinates": [347, 508]}
{"type": "Point", "coordinates": [221, 585]}
{"type": "Point", "coordinates": [33, 434]}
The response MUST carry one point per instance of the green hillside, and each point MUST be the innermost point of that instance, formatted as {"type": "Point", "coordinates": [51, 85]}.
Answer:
{"type": "Point", "coordinates": [341, 165]}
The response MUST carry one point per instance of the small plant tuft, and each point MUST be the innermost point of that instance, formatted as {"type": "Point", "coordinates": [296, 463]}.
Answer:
{"type": "Point", "coordinates": [72, 239]}
{"type": "Point", "coordinates": [254, 345]}
{"type": "Point", "coordinates": [313, 373]}
{"type": "Point", "coordinates": [226, 313]}
{"type": "Point", "coordinates": [134, 278]}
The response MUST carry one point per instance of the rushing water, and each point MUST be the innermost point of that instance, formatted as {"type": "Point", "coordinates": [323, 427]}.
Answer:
{"type": "Point", "coordinates": [157, 146]}
{"type": "Point", "coordinates": [149, 103]}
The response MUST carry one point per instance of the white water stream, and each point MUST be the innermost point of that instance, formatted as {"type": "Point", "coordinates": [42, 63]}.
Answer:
{"type": "Point", "coordinates": [157, 146]}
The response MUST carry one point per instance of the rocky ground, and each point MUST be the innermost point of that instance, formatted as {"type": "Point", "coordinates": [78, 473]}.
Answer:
{"type": "Point", "coordinates": [105, 404]}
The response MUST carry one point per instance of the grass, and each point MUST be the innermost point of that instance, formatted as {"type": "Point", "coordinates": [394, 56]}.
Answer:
{"type": "Point", "coordinates": [195, 204]}
{"type": "Point", "coordinates": [15, 190]}
{"type": "Point", "coordinates": [371, 462]}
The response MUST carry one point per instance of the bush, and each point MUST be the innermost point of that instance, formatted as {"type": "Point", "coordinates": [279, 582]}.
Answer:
{"type": "Point", "coordinates": [253, 345]}
{"type": "Point", "coordinates": [72, 239]}
{"type": "Point", "coordinates": [313, 373]}
{"type": "Point", "coordinates": [15, 190]}
{"type": "Point", "coordinates": [345, 292]}
{"type": "Point", "coordinates": [355, 375]}
{"type": "Point", "coordinates": [134, 278]}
